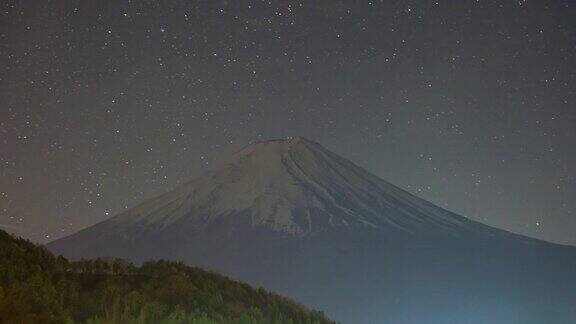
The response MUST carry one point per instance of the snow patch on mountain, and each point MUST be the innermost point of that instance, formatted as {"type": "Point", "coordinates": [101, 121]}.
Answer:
{"type": "Point", "coordinates": [293, 186]}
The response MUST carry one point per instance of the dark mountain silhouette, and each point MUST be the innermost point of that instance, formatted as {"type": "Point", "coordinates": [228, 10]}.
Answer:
{"type": "Point", "coordinates": [300, 220]}
{"type": "Point", "coordinates": [37, 287]}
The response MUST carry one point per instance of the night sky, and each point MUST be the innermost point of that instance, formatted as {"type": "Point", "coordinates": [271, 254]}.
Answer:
{"type": "Point", "coordinates": [468, 104]}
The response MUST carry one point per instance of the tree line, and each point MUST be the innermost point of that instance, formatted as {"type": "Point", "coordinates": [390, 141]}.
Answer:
{"type": "Point", "coordinates": [38, 287]}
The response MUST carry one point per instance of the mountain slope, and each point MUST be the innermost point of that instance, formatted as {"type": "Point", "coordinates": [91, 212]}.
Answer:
{"type": "Point", "coordinates": [36, 287]}
{"type": "Point", "coordinates": [298, 219]}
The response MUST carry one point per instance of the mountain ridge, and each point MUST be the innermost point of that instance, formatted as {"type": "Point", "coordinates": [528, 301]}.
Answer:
{"type": "Point", "coordinates": [37, 287]}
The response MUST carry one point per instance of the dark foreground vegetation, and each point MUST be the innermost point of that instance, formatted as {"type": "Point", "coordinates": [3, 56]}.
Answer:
{"type": "Point", "coordinates": [37, 287]}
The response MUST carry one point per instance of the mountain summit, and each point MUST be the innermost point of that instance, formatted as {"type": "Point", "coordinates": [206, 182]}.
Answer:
{"type": "Point", "coordinates": [296, 187]}
{"type": "Point", "coordinates": [296, 218]}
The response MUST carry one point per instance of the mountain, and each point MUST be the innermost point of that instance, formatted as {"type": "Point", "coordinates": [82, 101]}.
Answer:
{"type": "Point", "coordinates": [295, 218]}
{"type": "Point", "coordinates": [37, 287]}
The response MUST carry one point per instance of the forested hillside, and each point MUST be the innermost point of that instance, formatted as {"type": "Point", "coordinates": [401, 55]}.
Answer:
{"type": "Point", "coordinates": [37, 287]}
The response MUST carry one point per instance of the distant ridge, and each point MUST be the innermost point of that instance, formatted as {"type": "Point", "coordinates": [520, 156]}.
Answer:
{"type": "Point", "coordinates": [37, 287]}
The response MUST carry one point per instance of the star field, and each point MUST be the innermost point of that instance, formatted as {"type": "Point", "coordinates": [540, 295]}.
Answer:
{"type": "Point", "coordinates": [468, 104]}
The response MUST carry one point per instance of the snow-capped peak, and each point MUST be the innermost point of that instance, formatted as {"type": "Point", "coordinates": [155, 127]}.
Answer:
{"type": "Point", "coordinates": [294, 186]}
